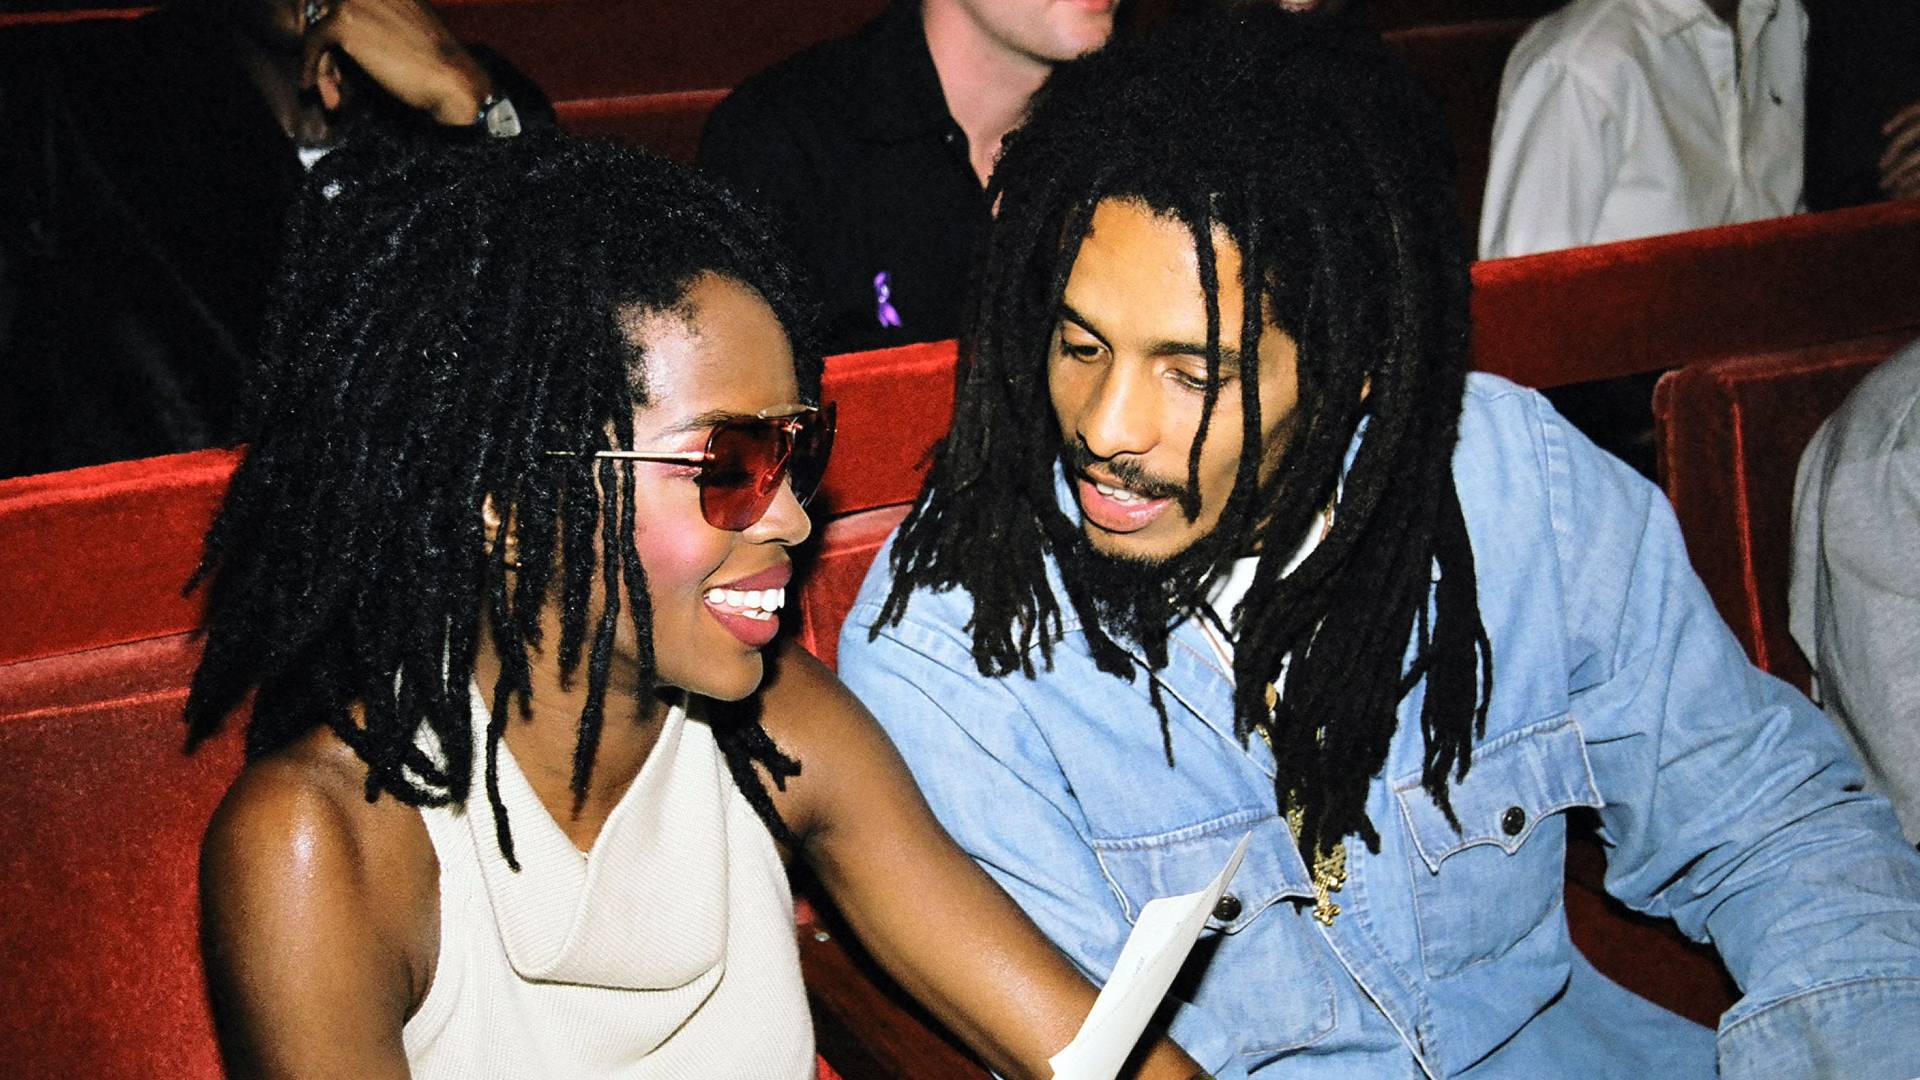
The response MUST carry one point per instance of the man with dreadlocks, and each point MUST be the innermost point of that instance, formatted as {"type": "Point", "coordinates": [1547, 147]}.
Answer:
{"type": "Point", "coordinates": [1225, 540]}
{"type": "Point", "coordinates": [533, 406]}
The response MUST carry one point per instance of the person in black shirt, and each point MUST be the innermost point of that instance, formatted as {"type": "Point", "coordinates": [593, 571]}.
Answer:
{"type": "Point", "coordinates": [873, 151]}
{"type": "Point", "coordinates": [146, 169]}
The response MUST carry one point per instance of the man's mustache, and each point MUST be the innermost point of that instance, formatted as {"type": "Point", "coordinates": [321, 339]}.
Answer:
{"type": "Point", "coordinates": [1081, 460]}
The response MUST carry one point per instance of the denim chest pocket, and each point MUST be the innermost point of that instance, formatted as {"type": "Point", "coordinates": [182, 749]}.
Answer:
{"type": "Point", "coordinates": [1481, 888]}
{"type": "Point", "coordinates": [1257, 966]}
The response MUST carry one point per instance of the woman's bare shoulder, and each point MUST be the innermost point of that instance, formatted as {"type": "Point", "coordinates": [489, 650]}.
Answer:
{"type": "Point", "coordinates": [844, 756]}
{"type": "Point", "coordinates": [803, 699]}
{"type": "Point", "coordinates": [308, 800]}
{"type": "Point", "coordinates": [296, 842]}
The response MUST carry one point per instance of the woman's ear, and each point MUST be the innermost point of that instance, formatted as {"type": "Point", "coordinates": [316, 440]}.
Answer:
{"type": "Point", "coordinates": [500, 531]}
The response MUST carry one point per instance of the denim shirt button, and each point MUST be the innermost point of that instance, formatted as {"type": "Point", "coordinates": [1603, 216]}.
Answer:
{"type": "Point", "coordinates": [1228, 909]}
{"type": "Point", "coordinates": [1514, 820]}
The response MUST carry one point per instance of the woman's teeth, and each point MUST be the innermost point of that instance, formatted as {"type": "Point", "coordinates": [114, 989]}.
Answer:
{"type": "Point", "coordinates": [1118, 494]}
{"type": "Point", "coordinates": [752, 603]}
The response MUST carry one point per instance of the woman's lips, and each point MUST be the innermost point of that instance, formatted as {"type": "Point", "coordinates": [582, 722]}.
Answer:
{"type": "Point", "coordinates": [1118, 515]}
{"type": "Point", "coordinates": [749, 607]}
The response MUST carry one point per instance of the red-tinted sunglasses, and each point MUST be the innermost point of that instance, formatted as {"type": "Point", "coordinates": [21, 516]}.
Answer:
{"type": "Point", "coordinates": [746, 459]}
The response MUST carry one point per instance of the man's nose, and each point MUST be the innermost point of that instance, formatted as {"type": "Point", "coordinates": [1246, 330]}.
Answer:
{"type": "Point", "coordinates": [1121, 416]}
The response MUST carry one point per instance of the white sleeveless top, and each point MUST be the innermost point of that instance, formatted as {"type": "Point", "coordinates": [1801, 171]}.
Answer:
{"type": "Point", "coordinates": [667, 951]}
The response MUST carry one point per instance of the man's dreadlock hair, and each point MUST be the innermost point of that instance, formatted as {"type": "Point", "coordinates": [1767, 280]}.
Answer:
{"type": "Point", "coordinates": [447, 315]}
{"type": "Point", "coordinates": [1316, 153]}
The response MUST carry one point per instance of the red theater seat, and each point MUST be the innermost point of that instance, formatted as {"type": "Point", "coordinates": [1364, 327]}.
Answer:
{"type": "Point", "coordinates": [894, 405]}
{"type": "Point", "coordinates": [649, 71]}
{"type": "Point", "coordinates": [832, 579]}
{"type": "Point", "coordinates": [1730, 436]}
{"type": "Point", "coordinates": [1667, 301]}
{"type": "Point", "coordinates": [99, 954]}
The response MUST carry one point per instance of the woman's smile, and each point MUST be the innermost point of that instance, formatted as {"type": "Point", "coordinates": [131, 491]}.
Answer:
{"type": "Point", "coordinates": [749, 607]}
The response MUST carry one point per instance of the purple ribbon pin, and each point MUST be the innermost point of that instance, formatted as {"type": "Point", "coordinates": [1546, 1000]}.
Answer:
{"type": "Point", "coordinates": [882, 292]}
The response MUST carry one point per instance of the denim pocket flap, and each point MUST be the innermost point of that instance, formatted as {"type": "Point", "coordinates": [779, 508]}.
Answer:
{"type": "Point", "coordinates": [1183, 861]}
{"type": "Point", "coordinates": [1514, 783]}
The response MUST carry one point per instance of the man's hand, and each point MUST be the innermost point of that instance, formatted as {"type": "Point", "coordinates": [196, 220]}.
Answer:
{"type": "Point", "coordinates": [1900, 161]}
{"type": "Point", "coordinates": [400, 44]}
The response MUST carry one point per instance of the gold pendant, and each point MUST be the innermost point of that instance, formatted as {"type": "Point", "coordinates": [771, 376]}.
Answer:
{"type": "Point", "coordinates": [1329, 868]}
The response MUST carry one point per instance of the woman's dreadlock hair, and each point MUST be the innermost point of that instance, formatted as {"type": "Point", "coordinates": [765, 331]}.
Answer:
{"type": "Point", "coordinates": [447, 315]}
{"type": "Point", "coordinates": [1313, 149]}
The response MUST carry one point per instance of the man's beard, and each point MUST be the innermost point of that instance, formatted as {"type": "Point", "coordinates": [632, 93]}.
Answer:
{"type": "Point", "coordinates": [1135, 599]}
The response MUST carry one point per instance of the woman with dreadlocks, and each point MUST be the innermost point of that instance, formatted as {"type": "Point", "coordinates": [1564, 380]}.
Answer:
{"type": "Point", "coordinates": [502, 568]}
{"type": "Point", "coordinates": [1225, 540]}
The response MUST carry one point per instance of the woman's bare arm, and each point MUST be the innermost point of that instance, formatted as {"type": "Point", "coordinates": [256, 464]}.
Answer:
{"type": "Point", "coordinates": [301, 926]}
{"type": "Point", "coordinates": [932, 917]}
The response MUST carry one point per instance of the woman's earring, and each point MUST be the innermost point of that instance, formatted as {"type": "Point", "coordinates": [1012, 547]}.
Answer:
{"type": "Point", "coordinates": [501, 544]}
{"type": "Point", "coordinates": [509, 559]}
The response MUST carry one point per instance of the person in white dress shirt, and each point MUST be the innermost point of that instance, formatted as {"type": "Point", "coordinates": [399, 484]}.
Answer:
{"type": "Point", "coordinates": [1620, 119]}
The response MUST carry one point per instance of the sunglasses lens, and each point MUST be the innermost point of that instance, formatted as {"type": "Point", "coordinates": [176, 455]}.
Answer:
{"type": "Point", "coordinates": [812, 446]}
{"type": "Point", "coordinates": [747, 460]}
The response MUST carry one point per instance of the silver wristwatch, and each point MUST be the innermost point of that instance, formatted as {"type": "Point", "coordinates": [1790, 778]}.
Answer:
{"type": "Point", "coordinates": [498, 118]}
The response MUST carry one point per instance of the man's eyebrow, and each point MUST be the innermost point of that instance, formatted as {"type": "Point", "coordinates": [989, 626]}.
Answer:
{"type": "Point", "coordinates": [1230, 357]}
{"type": "Point", "coordinates": [1084, 323]}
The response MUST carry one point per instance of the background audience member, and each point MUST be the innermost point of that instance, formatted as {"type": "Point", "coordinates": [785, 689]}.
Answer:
{"type": "Point", "coordinates": [147, 166]}
{"type": "Point", "coordinates": [874, 151]}
{"type": "Point", "coordinates": [1863, 102]}
{"type": "Point", "coordinates": [1854, 607]}
{"type": "Point", "coordinates": [1627, 118]}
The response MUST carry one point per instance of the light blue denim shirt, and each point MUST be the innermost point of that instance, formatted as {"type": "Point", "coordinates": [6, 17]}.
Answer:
{"type": "Point", "coordinates": [1728, 804]}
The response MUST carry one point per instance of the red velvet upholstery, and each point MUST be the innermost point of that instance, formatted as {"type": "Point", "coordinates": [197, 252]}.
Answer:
{"type": "Point", "coordinates": [894, 404]}
{"type": "Point", "coordinates": [644, 71]}
{"type": "Point", "coordinates": [115, 542]}
{"type": "Point", "coordinates": [667, 123]}
{"type": "Point", "coordinates": [1645, 305]}
{"type": "Point", "coordinates": [649, 72]}
{"type": "Point", "coordinates": [99, 959]}
{"type": "Point", "coordinates": [1730, 436]}
{"type": "Point", "coordinates": [833, 578]}
{"type": "Point", "coordinates": [604, 48]}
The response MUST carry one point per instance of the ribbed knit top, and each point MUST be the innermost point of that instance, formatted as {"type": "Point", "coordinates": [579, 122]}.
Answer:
{"type": "Point", "coordinates": [665, 952]}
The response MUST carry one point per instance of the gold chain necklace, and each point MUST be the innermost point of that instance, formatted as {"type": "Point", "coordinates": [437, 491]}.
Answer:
{"type": "Point", "coordinates": [1329, 865]}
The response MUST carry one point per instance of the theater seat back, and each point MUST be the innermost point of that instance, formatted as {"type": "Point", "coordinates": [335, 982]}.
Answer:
{"type": "Point", "coordinates": [894, 406]}
{"type": "Point", "coordinates": [100, 970]}
{"type": "Point", "coordinates": [833, 578]}
{"type": "Point", "coordinates": [1729, 436]}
